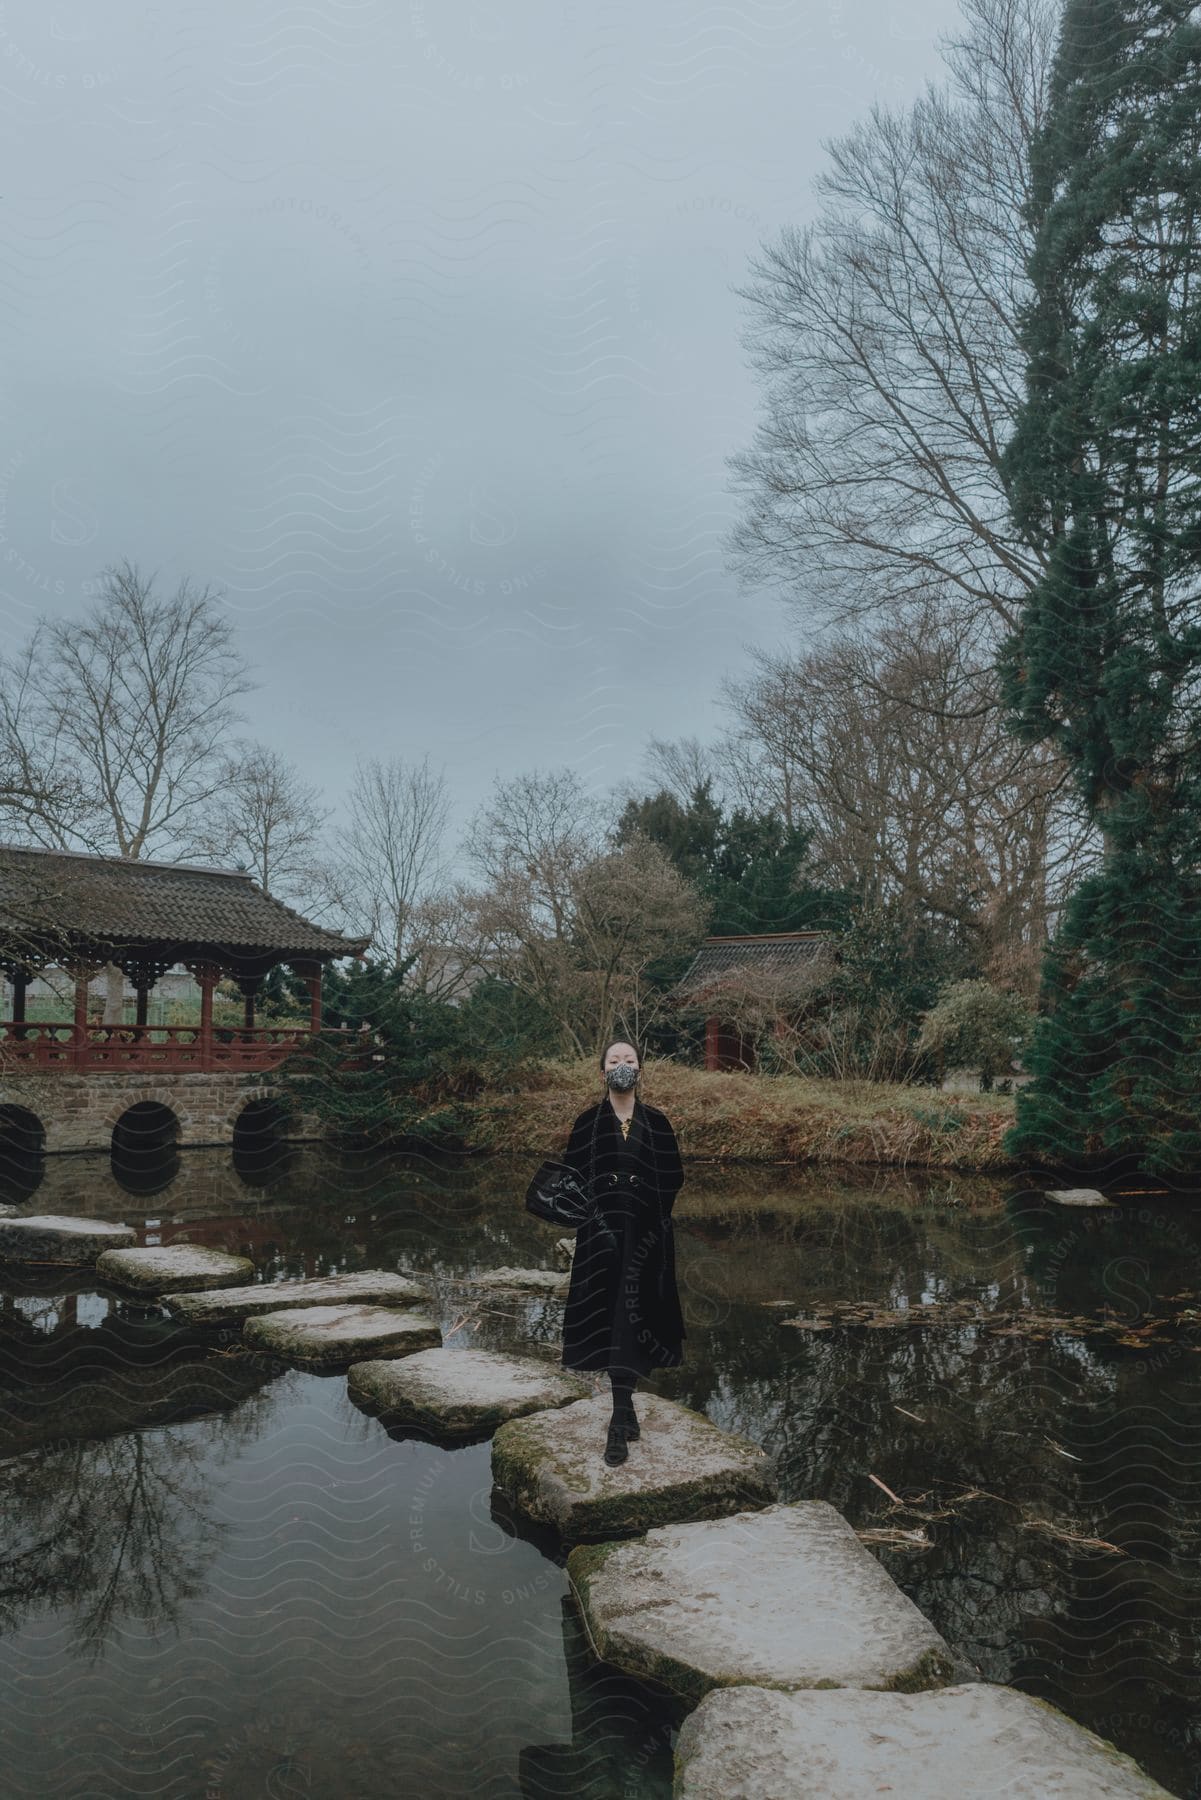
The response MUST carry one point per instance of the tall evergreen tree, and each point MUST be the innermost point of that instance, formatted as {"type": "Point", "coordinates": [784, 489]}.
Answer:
{"type": "Point", "coordinates": [748, 866]}
{"type": "Point", "coordinates": [1105, 471]}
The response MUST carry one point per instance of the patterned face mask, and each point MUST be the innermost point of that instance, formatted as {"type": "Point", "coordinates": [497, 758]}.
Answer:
{"type": "Point", "coordinates": [622, 1077]}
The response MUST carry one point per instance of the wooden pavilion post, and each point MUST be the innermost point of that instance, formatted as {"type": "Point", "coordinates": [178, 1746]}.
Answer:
{"type": "Point", "coordinates": [208, 981]}
{"type": "Point", "coordinates": [712, 1044]}
{"type": "Point", "coordinates": [143, 972]}
{"type": "Point", "coordinates": [208, 975]}
{"type": "Point", "coordinates": [80, 1041]}
{"type": "Point", "coordinates": [250, 987]}
{"type": "Point", "coordinates": [18, 976]}
{"type": "Point", "coordinates": [311, 973]}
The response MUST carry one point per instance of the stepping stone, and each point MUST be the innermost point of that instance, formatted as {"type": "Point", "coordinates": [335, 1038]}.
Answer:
{"type": "Point", "coordinates": [318, 1336]}
{"type": "Point", "coordinates": [461, 1392]}
{"type": "Point", "coordinates": [969, 1742]}
{"type": "Point", "coordinates": [1077, 1197]}
{"type": "Point", "coordinates": [528, 1281]}
{"type": "Point", "coordinates": [170, 1268]}
{"type": "Point", "coordinates": [785, 1598]}
{"type": "Point", "coordinates": [48, 1239]}
{"type": "Point", "coordinates": [372, 1287]}
{"type": "Point", "coordinates": [551, 1468]}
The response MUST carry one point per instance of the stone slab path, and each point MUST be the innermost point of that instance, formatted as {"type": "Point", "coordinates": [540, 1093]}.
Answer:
{"type": "Point", "coordinates": [173, 1268]}
{"type": "Point", "coordinates": [461, 1392]}
{"type": "Point", "coordinates": [551, 1468]}
{"type": "Point", "coordinates": [787, 1597]}
{"type": "Point", "coordinates": [372, 1287]}
{"type": "Point", "coordinates": [47, 1238]}
{"type": "Point", "coordinates": [526, 1281]}
{"type": "Point", "coordinates": [973, 1741]}
{"type": "Point", "coordinates": [330, 1336]}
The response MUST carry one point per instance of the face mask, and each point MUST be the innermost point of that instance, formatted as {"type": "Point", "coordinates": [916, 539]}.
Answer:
{"type": "Point", "coordinates": [622, 1077]}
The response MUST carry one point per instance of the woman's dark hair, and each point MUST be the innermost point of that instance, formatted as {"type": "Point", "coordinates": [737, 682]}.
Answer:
{"type": "Point", "coordinates": [625, 1040]}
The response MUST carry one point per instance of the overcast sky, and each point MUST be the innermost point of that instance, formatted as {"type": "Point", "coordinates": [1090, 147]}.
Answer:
{"type": "Point", "coordinates": [408, 324]}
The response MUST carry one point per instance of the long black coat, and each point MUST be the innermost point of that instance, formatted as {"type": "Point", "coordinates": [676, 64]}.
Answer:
{"type": "Point", "coordinates": [623, 1305]}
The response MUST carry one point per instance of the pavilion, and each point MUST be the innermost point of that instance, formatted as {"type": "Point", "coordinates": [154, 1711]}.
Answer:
{"type": "Point", "coordinates": [783, 970]}
{"type": "Point", "coordinates": [82, 913]}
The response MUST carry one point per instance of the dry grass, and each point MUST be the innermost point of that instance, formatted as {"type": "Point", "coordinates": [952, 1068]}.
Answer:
{"type": "Point", "coordinates": [765, 1118]}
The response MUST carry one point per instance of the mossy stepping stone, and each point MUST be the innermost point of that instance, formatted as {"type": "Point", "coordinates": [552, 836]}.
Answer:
{"type": "Point", "coordinates": [551, 1468]}
{"type": "Point", "coordinates": [320, 1336]}
{"type": "Point", "coordinates": [172, 1268]}
{"type": "Point", "coordinates": [786, 1598]}
{"type": "Point", "coordinates": [524, 1281]}
{"type": "Point", "coordinates": [973, 1741]}
{"type": "Point", "coordinates": [371, 1287]}
{"type": "Point", "coordinates": [462, 1392]}
{"type": "Point", "coordinates": [45, 1238]}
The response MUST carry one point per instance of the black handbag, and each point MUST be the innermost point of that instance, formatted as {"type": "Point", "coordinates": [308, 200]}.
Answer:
{"type": "Point", "coordinates": [557, 1195]}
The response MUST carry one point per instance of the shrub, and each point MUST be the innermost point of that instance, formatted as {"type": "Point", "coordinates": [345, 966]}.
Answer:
{"type": "Point", "coordinates": [974, 1025]}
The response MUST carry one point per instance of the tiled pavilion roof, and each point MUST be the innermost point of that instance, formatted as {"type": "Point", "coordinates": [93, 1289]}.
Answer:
{"type": "Point", "coordinates": [793, 959]}
{"type": "Point", "coordinates": [114, 903]}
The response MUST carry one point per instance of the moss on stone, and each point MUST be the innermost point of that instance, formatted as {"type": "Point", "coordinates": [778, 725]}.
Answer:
{"type": "Point", "coordinates": [932, 1669]}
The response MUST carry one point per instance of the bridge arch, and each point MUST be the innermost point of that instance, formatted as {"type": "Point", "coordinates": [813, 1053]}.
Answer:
{"type": "Point", "coordinates": [145, 1146]}
{"type": "Point", "coordinates": [22, 1133]}
{"type": "Point", "coordinates": [170, 1099]}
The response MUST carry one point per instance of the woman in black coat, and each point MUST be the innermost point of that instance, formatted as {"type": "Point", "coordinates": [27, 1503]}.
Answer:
{"type": "Point", "coordinates": [623, 1306]}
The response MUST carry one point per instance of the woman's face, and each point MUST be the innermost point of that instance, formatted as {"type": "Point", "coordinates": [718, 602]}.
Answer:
{"type": "Point", "coordinates": [620, 1053]}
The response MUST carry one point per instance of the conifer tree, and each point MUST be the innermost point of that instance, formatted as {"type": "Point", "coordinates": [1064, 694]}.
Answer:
{"type": "Point", "coordinates": [1105, 466]}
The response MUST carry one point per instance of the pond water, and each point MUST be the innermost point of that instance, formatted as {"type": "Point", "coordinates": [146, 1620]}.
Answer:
{"type": "Point", "coordinates": [217, 1579]}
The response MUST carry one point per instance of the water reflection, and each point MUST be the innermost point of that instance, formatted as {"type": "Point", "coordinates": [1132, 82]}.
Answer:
{"type": "Point", "coordinates": [621, 1735]}
{"type": "Point", "coordinates": [269, 1590]}
{"type": "Point", "coordinates": [112, 1532]}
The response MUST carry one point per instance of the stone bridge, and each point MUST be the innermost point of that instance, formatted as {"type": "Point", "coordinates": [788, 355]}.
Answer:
{"type": "Point", "coordinates": [140, 1112]}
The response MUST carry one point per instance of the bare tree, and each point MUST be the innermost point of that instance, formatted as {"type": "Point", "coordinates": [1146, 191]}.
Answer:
{"type": "Point", "coordinates": [682, 766]}
{"type": "Point", "coordinates": [393, 847]}
{"type": "Point", "coordinates": [450, 949]}
{"type": "Point", "coordinates": [41, 799]}
{"type": "Point", "coordinates": [534, 835]}
{"type": "Point", "coordinates": [887, 333]}
{"type": "Point", "coordinates": [269, 822]}
{"type": "Point", "coordinates": [115, 726]}
{"type": "Point", "coordinates": [576, 928]}
{"type": "Point", "coordinates": [632, 906]}
{"type": "Point", "coordinates": [567, 916]}
{"type": "Point", "coordinates": [766, 754]}
{"type": "Point", "coordinates": [893, 753]}
{"type": "Point", "coordinates": [136, 701]}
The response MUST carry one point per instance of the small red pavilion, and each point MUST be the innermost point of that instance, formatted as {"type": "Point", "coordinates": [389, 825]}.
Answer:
{"type": "Point", "coordinates": [783, 969]}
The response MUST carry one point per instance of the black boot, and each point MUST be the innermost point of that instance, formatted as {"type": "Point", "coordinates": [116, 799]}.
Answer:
{"type": "Point", "coordinates": [624, 1416]}
{"type": "Point", "coordinates": [629, 1418]}
{"type": "Point", "coordinates": [616, 1449]}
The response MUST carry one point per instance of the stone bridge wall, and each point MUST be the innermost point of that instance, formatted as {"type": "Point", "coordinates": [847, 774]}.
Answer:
{"type": "Point", "coordinates": [78, 1112]}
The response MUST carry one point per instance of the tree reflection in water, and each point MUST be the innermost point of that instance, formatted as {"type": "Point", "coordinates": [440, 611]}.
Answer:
{"type": "Point", "coordinates": [102, 1529]}
{"type": "Point", "coordinates": [116, 1528]}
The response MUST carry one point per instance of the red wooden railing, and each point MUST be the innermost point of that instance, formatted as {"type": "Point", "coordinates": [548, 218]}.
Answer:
{"type": "Point", "coordinates": [36, 1044]}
